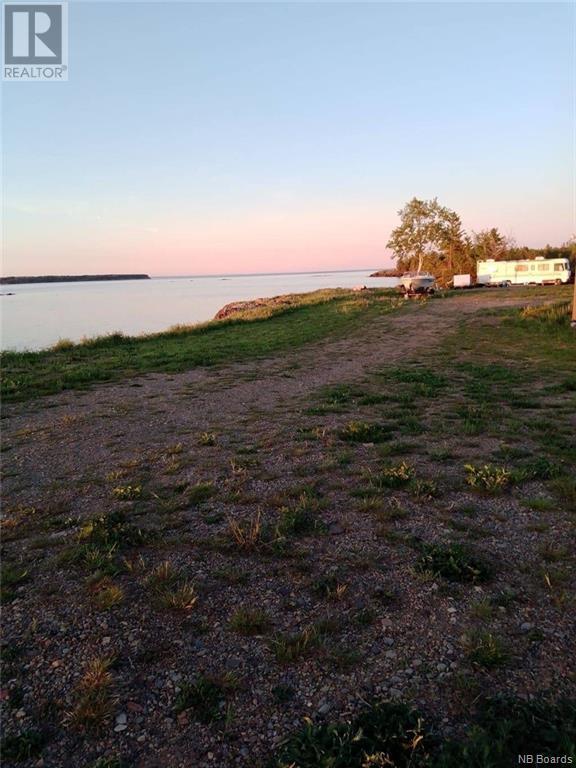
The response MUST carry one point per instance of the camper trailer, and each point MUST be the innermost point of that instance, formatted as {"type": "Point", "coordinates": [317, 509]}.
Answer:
{"type": "Point", "coordinates": [538, 271]}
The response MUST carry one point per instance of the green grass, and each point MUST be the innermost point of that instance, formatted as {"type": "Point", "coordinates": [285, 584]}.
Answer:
{"type": "Point", "coordinates": [532, 343]}
{"type": "Point", "coordinates": [310, 317]}
{"type": "Point", "coordinates": [398, 736]}
{"type": "Point", "coordinates": [100, 543]}
{"type": "Point", "coordinates": [454, 562]}
{"type": "Point", "coordinates": [23, 746]}
{"type": "Point", "coordinates": [362, 432]}
{"type": "Point", "coordinates": [486, 649]}
{"type": "Point", "coordinates": [205, 698]}
{"type": "Point", "coordinates": [11, 577]}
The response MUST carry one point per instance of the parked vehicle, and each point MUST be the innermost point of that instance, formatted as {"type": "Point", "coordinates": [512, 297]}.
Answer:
{"type": "Point", "coordinates": [417, 282]}
{"type": "Point", "coordinates": [462, 281]}
{"type": "Point", "coordinates": [538, 271]}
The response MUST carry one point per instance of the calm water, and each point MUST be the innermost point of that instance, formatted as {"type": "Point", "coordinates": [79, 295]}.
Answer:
{"type": "Point", "coordinates": [37, 316]}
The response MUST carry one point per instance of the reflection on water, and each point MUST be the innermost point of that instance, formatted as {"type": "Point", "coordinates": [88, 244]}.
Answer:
{"type": "Point", "coordinates": [37, 316]}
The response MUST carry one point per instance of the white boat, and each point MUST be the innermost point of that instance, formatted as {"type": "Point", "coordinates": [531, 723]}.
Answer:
{"type": "Point", "coordinates": [417, 282]}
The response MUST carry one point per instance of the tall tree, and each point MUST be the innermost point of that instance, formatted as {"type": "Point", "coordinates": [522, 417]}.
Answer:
{"type": "Point", "coordinates": [426, 230]}
{"type": "Point", "coordinates": [490, 244]}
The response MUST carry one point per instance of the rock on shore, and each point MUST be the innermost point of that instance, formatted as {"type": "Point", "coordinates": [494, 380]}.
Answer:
{"type": "Point", "coordinates": [236, 307]}
{"type": "Point", "coordinates": [387, 273]}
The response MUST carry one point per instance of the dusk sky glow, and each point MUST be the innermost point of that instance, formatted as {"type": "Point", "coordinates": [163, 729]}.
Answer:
{"type": "Point", "coordinates": [235, 138]}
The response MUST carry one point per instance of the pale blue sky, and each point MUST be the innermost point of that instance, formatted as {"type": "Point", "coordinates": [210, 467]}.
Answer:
{"type": "Point", "coordinates": [217, 137]}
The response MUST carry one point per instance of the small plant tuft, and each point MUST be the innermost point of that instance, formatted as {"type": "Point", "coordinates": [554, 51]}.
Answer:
{"type": "Point", "coordinates": [488, 477]}
{"type": "Point", "coordinates": [454, 562]}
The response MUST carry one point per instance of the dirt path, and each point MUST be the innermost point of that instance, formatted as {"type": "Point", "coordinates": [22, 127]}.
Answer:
{"type": "Point", "coordinates": [77, 434]}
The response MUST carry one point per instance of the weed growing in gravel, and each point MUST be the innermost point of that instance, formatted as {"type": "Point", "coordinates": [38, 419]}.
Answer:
{"type": "Point", "coordinates": [300, 518]}
{"type": "Point", "coordinates": [127, 492]}
{"type": "Point", "coordinates": [283, 693]}
{"type": "Point", "coordinates": [482, 609]}
{"type": "Point", "coordinates": [454, 562]}
{"type": "Point", "coordinates": [246, 536]}
{"type": "Point", "coordinates": [336, 399]}
{"type": "Point", "coordinates": [407, 424]}
{"type": "Point", "coordinates": [200, 492]}
{"type": "Point", "coordinates": [94, 700]}
{"type": "Point", "coordinates": [207, 439]}
{"type": "Point", "coordinates": [205, 697]}
{"type": "Point", "coordinates": [288, 648]}
{"type": "Point", "coordinates": [540, 505]}
{"type": "Point", "coordinates": [395, 476]}
{"type": "Point", "coordinates": [231, 575]}
{"type": "Point", "coordinates": [554, 580]}
{"type": "Point", "coordinates": [171, 589]}
{"type": "Point", "coordinates": [541, 727]}
{"type": "Point", "coordinates": [424, 490]}
{"type": "Point", "coordinates": [11, 576]}
{"type": "Point", "coordinates": [250, 621]}
{"type": "Point", "coordinates": [362, 432]}
{"type": "Point", "coordinates": [22, 746]}
{"type": "Point", "coordinates": [109, 762]}
{"type": "Point", "coordinates": [365, 617]}
{"type": "Point", "coordinates": [106, 594]}
{"type": "Point", "coordinates": [474, 418]}
{"type": "Point", "coordinates": [387, 734]}
{"type": "Point", "coordinates": [343, 659]}
{"type": "Point", "coordinates": [382, 735]}
{"type": "Point", "coordinates": [485, 649]}
{"type": "Point", "coordinates": [419, 382]}
{"type": "Point", "coordinates": [330, 587]}
{"type": "Point", "coordinates": [100, 541]}
{"type": "Point", "coordinates": [540, 468]}
{"type": "Point", "coordinates": [564, 488]}
{"type": "Point", "coordinates": [488, 477]}
{"type": "Point", "coordinates": [553, 553]}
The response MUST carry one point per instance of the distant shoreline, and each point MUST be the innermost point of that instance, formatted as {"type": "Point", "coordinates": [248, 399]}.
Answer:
{"type": "Point", "coordinates": [68, 278]}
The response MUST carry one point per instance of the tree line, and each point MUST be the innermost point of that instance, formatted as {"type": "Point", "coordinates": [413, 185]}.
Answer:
{"type": "Point", "coordinates": [431, 237]}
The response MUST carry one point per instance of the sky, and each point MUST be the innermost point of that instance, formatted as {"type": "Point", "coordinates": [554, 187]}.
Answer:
{"type": "Point", "coordinates": [210, 138]}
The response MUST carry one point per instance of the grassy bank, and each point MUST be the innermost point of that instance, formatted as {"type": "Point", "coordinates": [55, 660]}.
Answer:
{"type": "Point", "coordinates": [252, 334]}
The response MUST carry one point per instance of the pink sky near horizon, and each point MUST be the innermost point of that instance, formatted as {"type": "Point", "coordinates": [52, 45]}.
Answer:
{"type": "Point", "coordinates": [275, 239]}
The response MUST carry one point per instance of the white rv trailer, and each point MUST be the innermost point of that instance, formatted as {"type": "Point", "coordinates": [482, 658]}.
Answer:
{"type": "Point", "coordinates": [538, 271]}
